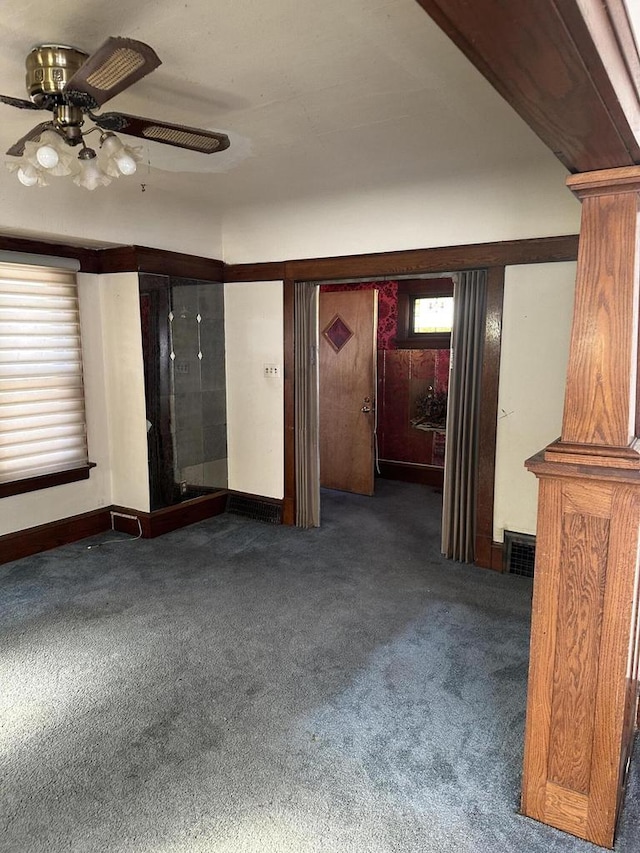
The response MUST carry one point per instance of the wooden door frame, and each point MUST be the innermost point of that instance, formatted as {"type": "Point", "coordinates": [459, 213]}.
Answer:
{"type": "Point", "coordinates": [493, 257]}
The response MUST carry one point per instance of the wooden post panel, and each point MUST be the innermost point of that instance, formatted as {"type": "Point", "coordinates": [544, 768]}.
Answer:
{"type": "Point", "coordinates": [583, 676]}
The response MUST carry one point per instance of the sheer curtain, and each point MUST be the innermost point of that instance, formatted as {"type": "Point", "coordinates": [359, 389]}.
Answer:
{"type": "Point", "coordinates": [307, 449]}
{"type": "Point", "coordinates": [461, 460]}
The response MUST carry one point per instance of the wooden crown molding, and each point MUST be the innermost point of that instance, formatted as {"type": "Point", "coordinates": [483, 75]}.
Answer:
{"type": "Point", "coordinates": [605, 182]}
{"type": "Point", "coordinates": [159, 262]}
{"type": "Point", "coordinates": [86, 256]}
{"type": "Point", "coordinates": [537, 250]}
{"type": "Point", "coordinates": [122, 258]}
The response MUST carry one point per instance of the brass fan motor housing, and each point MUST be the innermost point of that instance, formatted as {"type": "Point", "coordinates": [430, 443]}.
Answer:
{"type": "Point", "coordinates": [49, 69]}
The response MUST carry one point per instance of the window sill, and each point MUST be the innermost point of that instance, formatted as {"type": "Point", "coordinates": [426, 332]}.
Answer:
{"type": "Point", "coordinates": [45, 481]}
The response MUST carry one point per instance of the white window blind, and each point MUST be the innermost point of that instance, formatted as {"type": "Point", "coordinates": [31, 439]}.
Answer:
{"type": "Point", "coordinates": [42, 417]}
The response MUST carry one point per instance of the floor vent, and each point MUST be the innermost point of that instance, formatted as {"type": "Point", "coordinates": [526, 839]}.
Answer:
{"type": "Point", "coordinates": [255, 509]}
{"type": "Point", "coordinates": [519, 553]}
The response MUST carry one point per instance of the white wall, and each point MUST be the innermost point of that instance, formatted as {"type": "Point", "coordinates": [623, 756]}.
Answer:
{"type": "Point", "coordinates": [538, 306]}
{"type": "Point", "coordinates": [255, 404]}
{"type": "Point", "coordinates": [464, 209]}
{"type": "Point", "coordinates": [471, 208]}
{"type": "Point", "coordinates": [115, 407]}
{"type": "Point", "coordinates": [124, 382]}
{"type": "Point", "coordinates": [34, 508]}
{"type": "Point", "coordinates": [120, 213]}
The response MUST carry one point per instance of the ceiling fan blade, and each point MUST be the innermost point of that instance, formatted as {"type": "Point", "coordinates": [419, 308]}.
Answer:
{"type": "Point", "coordinates": [192, 138]}
{"type": "Point", "coordinates": [19, 103]}
{"type": "Point", "coordinates": [115, 66]}
{"type": "Point", "coordinates": [17, 149]}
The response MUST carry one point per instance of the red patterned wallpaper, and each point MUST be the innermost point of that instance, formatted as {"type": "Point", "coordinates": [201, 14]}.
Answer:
{"type": "Point", "coordinates": [403, 376]}
{"type": "Point", "coordinates": [387, 307]}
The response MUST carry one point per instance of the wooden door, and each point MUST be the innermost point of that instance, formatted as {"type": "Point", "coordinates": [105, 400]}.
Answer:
{"type": "Point", "coordinates": [347, 346]}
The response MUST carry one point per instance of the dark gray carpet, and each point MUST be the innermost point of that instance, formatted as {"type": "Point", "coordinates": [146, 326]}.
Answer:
{"type": "Point", "coordinates": [236, 686]}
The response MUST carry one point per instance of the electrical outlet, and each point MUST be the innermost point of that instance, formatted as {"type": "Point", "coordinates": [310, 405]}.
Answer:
{"type": "Point", "coordinates": [272, 371]}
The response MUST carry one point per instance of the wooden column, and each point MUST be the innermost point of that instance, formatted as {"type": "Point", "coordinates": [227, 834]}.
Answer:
{"type": "Point", "coordinates": [583, 676]}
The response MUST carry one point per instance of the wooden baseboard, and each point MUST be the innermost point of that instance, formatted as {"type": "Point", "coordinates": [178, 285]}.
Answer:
{"type": "Point", "coordinates": [489, 554]}
{"type": "Point", "coordinates": [427, 475]}
{"type": "Point", "coordinates": [33, 540]}
{"type": "Point", "coordinates": [169, 518]}
{"type": "Point", "coordinates": [288, 511]}
{"type": "Point", "coordinates": [497, 556]}
{"type": "Point", "coordinates": [24, 543]}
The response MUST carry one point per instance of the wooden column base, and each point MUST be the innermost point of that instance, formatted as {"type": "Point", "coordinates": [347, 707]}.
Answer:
{"type": "Point", "coordinates": [583, 677]}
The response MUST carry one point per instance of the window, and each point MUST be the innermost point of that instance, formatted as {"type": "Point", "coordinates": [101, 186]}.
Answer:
{"type": "Point", "coordinates": [42, 418]}
{"type": "Point", "coordinates": [431, 314]}
{"type": "Point", "coordinates": [425, 313]}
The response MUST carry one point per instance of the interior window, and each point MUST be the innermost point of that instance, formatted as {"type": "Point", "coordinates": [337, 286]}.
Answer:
{"type": "Point", "coordinates": [425, 313]}
{"type": "Point", "coordinates": [432, 314]}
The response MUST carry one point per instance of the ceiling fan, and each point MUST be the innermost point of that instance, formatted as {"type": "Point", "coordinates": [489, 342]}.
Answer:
{"type": "Point", "coordinates": [72, 85]}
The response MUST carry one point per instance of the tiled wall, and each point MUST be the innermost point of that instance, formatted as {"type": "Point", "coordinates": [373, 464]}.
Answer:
{"type": "Point", "coordinates": [403, 376]}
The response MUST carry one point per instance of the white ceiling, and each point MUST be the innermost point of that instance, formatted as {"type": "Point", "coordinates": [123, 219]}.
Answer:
{"type": "Point", "coordinates": [317, 97]}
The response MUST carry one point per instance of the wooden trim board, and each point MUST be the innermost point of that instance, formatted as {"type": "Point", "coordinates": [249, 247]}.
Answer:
{"type": "Point", "coordinates": [24, 543]}
{"type": "Point", "coordinates": [539, 250]}
{"type": "Point", "coordinates": [427, 475]}
{"type": "Point", "coordinates": [33, 540]}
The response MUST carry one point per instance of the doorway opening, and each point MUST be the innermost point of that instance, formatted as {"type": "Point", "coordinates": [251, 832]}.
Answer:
{"type": "Point", "coordinates": [411, 360]}
{"type": "Point", "coordinates": [471, 420]}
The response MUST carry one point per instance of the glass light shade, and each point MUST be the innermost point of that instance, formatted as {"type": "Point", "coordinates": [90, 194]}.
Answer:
{"type": "Point", "coordinates": [91, 175]}
{"type": "Point", "coordinates": [27, 175]}
{"type": "Point", "coordinates": [47, 156]}
{"type": "Point", "coordinates": [121, 160]}
{"type": "Point", "coordinates": [35, 151]}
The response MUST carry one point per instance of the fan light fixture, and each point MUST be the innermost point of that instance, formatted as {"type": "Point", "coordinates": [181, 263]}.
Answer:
{"type": "Point", "coordinates": [72, 84]}
{"type": "Point", "coordinates": [49, 156]}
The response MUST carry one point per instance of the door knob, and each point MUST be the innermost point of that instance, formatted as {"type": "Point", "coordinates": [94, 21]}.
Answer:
{"type": "Point", "coordinates": [365, 409]}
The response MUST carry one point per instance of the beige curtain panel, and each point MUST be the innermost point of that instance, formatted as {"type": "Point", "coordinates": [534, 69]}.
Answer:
{"type": "Point", "coordinates": [461, 459]}
{"type": "Point", "coordinates": [307, 448]}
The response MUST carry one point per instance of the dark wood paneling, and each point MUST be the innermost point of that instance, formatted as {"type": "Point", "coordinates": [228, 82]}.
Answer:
{"type": "Point", "coordinates": [145, 259]}
{"type": "Point", "coordinates": [544, 59]}
{"type": "Point", "coordinates": [87, 257]}
{"type": "Point", "coordinates": [539, 250]}
{"type": "Point", "coordinates": [428, 475]}
{"type": "Point", "coordinates": [23, 543]}
{"type": "Point", "coordinates": [488, 418]}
